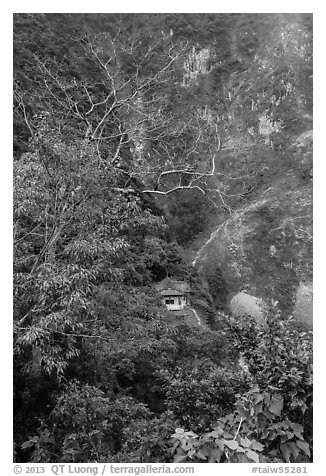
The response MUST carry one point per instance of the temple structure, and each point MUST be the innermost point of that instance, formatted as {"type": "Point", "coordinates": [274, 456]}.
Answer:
{"type": "Point", "coordinates": [175, 294]}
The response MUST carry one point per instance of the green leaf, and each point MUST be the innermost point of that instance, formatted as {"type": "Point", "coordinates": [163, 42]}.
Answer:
{"type": "Point", "coordinates": [232, 444]}
{"type": "Point", "coordinates": [28, 444]}
{"type": "Point", "coordinates": [253, 455]}
{"type": "Point", "coordinates": [243, 458]}
{"type": "Point", "coordinates": [245, 414]}
{"type": "Point", "coordinates": [255, 445]}
{"type": "Point", "coordinates": [215, 455]}
{"type": "Point", "coordinates": [258, 408]}
{"type": "Point", "coordinates": [202, 455]}
{"type": "Point", "coordinates": [240, 449]}
{"type": "Point", "coordinates": [179, 458]}
{"type": "Point", "coordinates": [294, 449]}
{"type": "Point", "coordinates": [254, 389]}
{"type": "Point", "coordinates": [220, 444]}
{"type": "Point", "coordinates": [217, 432]}
{"type": "Point", "coordinates": [304, 446]}
{"type": "Point", "coordinates": [285, 452]}
{"type": "Point", "coordinates": [245, 442]}
{"type": "Point", "coordinates": [276, 404]}
{"type": "Point", "coordinates": [262, 421]}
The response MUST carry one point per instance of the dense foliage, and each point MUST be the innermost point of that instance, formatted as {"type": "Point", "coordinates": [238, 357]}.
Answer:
{"type": "Point", "coordinates": [270, 422]}
{"type": "Point", "coordinates": [115, 152]}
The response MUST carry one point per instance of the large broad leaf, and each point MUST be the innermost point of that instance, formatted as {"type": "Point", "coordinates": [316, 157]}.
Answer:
{"type": "Point", "coordinates": [217, 432]}
{"type": "Point", "coordinates": [243, 458]}
{"type": "Point", "coordinates": [286, 452]}
{"type": "Point", "coordinates": [245, 442]}
{"type": "Point", "coordinates": [255, 445]}
{"type": "Point", "coordinates": [276, 404]}
{"type": "Point", "coordinates": [254, 389]}
{"type": "Point", "coordinates": [294, 449]}
{"type": "Point", "coordinates": [304, 446]}
{"type": "Point", "coordinates": [232, 444]}
{"type": "Point", "coordinates": [28, 444]}
{"type": "Point", "coordinates": [215, 455]}
{"type": "Point", "coordinates": [252, 455]}
{"type": "Point", "coordinates": [220, 444]}
{"type": "Point", "coordinates": [245, 414]}
{"type": "Point", "coordinates": [202, 454]}
{"type": "Point", "coordinates": [262, 421]}
{"type": "Point", "coordinates": [179, 458]}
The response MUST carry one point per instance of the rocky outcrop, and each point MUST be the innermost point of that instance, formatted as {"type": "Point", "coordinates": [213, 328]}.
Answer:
{"type": "Point", "coordinates": [303, 307]}
{"type": "Point", "coordinates": [243, 304]}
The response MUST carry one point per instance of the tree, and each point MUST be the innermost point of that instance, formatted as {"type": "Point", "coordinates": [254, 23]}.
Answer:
{"type": "Point", "coordinates": [272, 419]}
{"type": "Point", "coordinates": [135, 111]}
{"type": "Point", "coordinates": [117, 123]}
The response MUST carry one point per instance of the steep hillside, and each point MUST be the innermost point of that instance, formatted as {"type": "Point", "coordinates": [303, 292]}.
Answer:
{"type": "Point", "coordinates": [263, 246]}
{"type": "Point", "coordinates": [156, 148]}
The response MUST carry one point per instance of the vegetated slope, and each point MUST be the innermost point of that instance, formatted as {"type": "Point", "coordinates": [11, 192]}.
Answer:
{"type": "Point", "coordinates": [264, 246]}
{"type": "Point", "coordinates": [99, 373]}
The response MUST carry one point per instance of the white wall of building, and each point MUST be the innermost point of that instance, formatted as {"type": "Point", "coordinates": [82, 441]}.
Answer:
{"type": "Point", "coordinates": [174, 303]}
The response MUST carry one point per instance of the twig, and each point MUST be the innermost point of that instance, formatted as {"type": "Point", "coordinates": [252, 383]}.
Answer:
{"type": "Point", "coordinates": [241, 420]}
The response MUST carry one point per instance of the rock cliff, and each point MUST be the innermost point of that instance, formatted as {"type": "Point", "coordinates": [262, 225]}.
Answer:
{"type": "Point", "coordinates": [263, 246]}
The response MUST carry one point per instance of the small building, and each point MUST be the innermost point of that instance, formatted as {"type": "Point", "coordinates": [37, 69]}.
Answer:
{"type": "Point", "coordinates": [175, 293]}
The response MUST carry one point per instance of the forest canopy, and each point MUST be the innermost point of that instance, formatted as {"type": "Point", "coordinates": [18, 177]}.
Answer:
{"type": "Point", "coordinates": [119, 123]}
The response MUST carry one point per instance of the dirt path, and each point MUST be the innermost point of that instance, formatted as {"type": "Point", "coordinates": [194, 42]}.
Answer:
{"type": "Point", "coordinates": [197, 317]}
{"type": "Point", "coordinates": [236, 214]}
{"type": "Point", "coordinates": [211, 238]}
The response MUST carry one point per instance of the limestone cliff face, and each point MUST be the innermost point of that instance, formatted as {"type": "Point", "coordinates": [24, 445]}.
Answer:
{"type": "Point", "coordinates": [264, 246]}
{"type": "Point", "coordinates": [195, 64]}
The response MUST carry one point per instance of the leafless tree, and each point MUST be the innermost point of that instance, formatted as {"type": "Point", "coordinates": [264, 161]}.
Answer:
{"type": "Point", "coordinates": [127, 108]}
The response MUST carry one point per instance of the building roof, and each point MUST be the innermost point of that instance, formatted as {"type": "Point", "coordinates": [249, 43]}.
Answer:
{"type": "Point", "coordinates": [171, 292]}
{"type": "Point", "coordinates": [172, 284]}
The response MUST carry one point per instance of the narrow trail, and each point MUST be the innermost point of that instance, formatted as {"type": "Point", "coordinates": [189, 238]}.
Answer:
{"type": "Point", "coordinates": [199, 252]}
{"type": "Point", "coordinates": [211, 238]}
{"type": "Point", "coordinates": [207, 242]}
{"type": "Point", "coordinates": [213, 234]}
{"type": "Point", "coordinates": [197, 317]}
{"type": "Point", "coordinates": [236, 214]}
